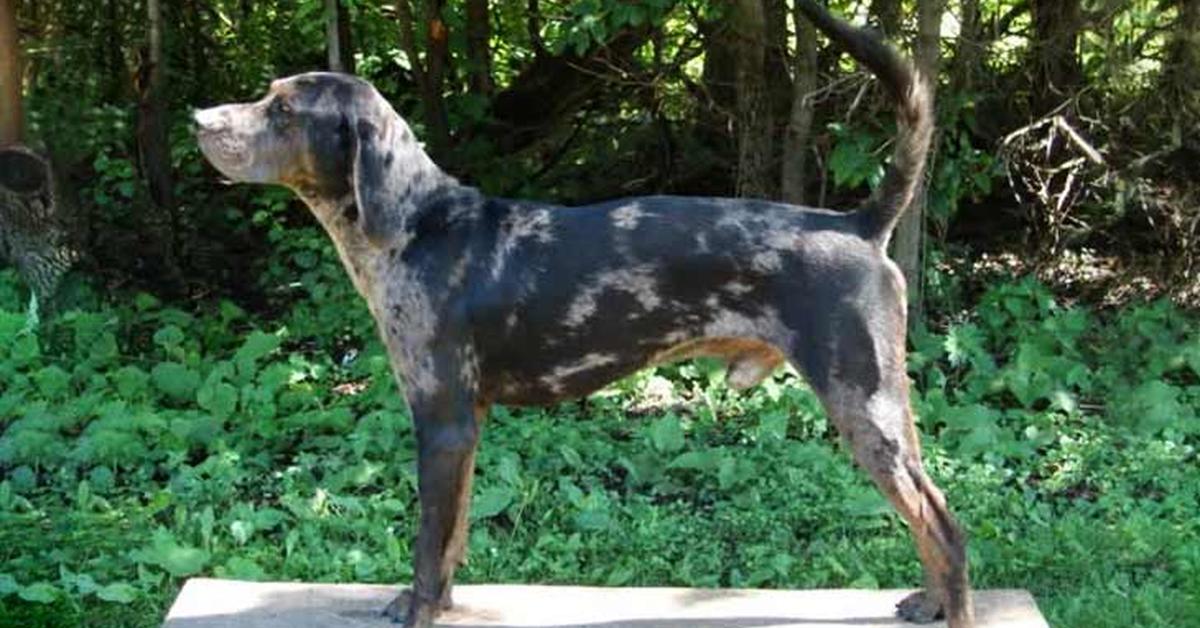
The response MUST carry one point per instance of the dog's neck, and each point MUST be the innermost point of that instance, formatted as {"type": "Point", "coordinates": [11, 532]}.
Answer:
{"type": "Point", "coordinates": [366, 261]}
{"type": "Point", "coordinates": [410, 180]}
{"type": "Point", "coordinates": [338, 216]}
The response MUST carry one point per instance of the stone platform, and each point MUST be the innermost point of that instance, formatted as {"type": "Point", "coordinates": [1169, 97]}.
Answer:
{"type": "Point", "coordinates": [206, 603]}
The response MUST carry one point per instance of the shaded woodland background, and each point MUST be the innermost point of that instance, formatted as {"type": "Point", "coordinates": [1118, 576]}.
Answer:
{"type": "Point", "coordinates": [1068, 128]}
{"type": "Point", "coordinates": [204, 394]}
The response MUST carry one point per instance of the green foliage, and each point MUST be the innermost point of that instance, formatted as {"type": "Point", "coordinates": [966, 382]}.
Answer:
{"type": "Point", "coordinates": [149, 444]}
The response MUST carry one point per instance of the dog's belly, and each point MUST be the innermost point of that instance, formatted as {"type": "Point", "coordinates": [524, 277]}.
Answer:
{"type": "Point", "coordinates": [749, 361]}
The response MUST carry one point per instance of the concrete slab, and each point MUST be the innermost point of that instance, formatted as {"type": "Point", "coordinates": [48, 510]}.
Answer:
{"type": "Point", "coordinates": [207, 603]}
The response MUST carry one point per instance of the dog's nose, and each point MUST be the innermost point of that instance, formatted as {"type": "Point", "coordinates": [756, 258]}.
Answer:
{"type": "Point", "coordinates": [207, 119]}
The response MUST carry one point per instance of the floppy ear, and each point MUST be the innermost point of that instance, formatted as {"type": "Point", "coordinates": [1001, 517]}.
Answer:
{"type": "Point", "coordinates": [374, 192]}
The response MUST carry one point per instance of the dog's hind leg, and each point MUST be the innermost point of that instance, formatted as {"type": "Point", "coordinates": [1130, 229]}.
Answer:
{"type": "Point", "coordinates": [856, 365]}
{"type": "Point", "coordinates": [884, 443]}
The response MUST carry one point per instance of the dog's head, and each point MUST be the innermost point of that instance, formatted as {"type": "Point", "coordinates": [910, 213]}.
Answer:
{"type": "Point", "coordinates": [325, 136]}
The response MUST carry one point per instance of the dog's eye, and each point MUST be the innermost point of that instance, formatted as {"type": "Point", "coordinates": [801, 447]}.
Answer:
{"type": "Point", "coordinates": [285, 109]}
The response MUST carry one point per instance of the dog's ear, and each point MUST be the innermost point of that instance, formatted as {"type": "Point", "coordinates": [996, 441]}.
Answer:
{"type": "Point", "coordinates": [374, 183]}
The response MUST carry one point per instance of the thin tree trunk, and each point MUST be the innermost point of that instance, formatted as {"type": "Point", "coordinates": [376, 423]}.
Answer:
{"type": "Point", "coordinates": [1057, 73]}
{"type": "Point", "coordinates": [337, 35]}
{"type": "Point", "coordinates": [753, 106]}
{"type": "Point", "coordinates": [799, 129]}
{"type": "Point", "coordinates": [117, 79]}
{"type": "Point", "coordinates": [156, 152]}
{"type": "Point", "coordinates": [437, 55]}
{"type": "Point", "coordinates": [910, 232]}
{"type": "Point", "coordinates": [533, 25]}
{"type": "Point", "coordinates": [154, 145]}
{"type": "Point", "coordinates": [887, 17]}
{"type": "Point", "coordinates": [345, 38]}
{"type": "Point", "coordinates": [12, 117]}
{"type": "Point", "coordinates": [479, 53]}
{"type": "Point", "coordinates": [429, 72]}
{"type": "Point", "coordinates": [967, 57]}
{"type": "Point", "coordinates": [1182, 73]}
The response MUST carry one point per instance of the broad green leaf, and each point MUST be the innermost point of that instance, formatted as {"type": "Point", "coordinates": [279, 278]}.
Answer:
{"type": "Point", "coordinates": [177, 560]}
{"type": "Point", "coordinates": [119, 592]}
{"type": "Point", "coordinates": [257, 345]}
{"type": "Point", "coordinates": [52, 381]}
{"type": "Point", "coordinates": [705, 460]}
{"type": "Point", "coordinates": [241, 531]}
{"type": "Point", "coordinates": [8, 585]}
{"type": "Point", "coordinates": [773, 426]}
{"type": "Point", "coordinates": [242, 568]}
{"type": "Point", "coordinates": [168, 337]}
{"type": "Point", "coordinates": [175, 379]}
{"type": "Point", "coordinates": [131, 381]}
{"type": "Point", "coordinates": [219, 398]}
{"type": "Point", "coordinates": [491, 501]}
{"type": "Point", "coordinates": [666, 434]}
{"type": "Point", "coordinates": [40, 592]}
{"type": "Point", "coordinates": [727, 473]}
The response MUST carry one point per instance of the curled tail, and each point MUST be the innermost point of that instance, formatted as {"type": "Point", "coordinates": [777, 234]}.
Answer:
{"type": "Point", "coordinates": [914, 118]}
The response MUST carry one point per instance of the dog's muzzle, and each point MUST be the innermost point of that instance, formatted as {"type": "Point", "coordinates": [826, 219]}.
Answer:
{"type": "Point", "coordinates": [224, 145]}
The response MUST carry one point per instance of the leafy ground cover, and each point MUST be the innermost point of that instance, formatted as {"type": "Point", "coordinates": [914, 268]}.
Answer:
{"type": "Point", "coordinates": [141, 444]}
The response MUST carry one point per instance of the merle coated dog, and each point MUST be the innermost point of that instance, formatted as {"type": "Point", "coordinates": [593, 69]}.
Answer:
{"type": "Point", "coordinates": [487, 300]}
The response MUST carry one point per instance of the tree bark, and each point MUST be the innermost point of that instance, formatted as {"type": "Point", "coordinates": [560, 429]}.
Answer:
{"type": "Point", "coordinates": [12, 116]}
{"type": "Point", "coordinates": [887, 17]}
{"type": "Point", "coordinates": [910, 232]}
{"type": "Point", "coordinates": [967, 56]}
{"type": "Point", "coordinates": [429, 71]}
{"type": "Point", "coordinates": [155, 145]}
{"type": "Point", "coordinates": [753, 105]}
{"type": "Point", "coordinates": [533, 27]}
{"type": "Point", "coordinates": [345, 38]}
{"type": "Point", "coordinates": [479, 53]}
{"type": "Point", "coordinates": [337, 37]}
{"type": "Point", "coordinates": [1182, 73]}
{"type": "Point", "coordinates": [117, 76]}
{"type": "Point", "coordinates": [1057, 73]}
{"type": "Point", "coordinates": [799, 128]}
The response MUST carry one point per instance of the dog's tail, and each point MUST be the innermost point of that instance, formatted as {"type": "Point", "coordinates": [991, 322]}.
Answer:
{"type": "Point", "coordinates": [914, 118]}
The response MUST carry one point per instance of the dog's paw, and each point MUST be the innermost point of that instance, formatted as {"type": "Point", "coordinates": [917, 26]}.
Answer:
{"type": "Point", "coordinates": [397, 609]}
{"type": "Point", "coordinates": [919, 608]}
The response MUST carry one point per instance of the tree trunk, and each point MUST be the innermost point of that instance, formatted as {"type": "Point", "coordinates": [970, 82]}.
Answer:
{"type": "Point", "coordinates": [1057, 74]}
{"type": "Point", "coordinates": [969, 46]}
{"type": "Point", "coordinates": [345, 38]}
{"type": "Point", "coordinates": [910, 232]}
{"type": "Point", "coordinates": [337, 37]}
{"type": "Point", "coordinates": [430, 71]}
{"type": "Point", "coordinates": [1182, 73]}
{"type": "Point", "coordinates": [117, 76]}
{"type": "Point", "coordinates": [753, 105]}
{"type": "Point", "coordinates": [154, 149]}
{"type": "Point", "coordinates": [155, 144]}
{"type": "Point", "coordinates": [799, 128]}
{"type": "Point", "coordinates": [479, 54]}
{"type": "Point", "coordinates": [778, 80]}
{"type": "Point", "coordinates": [533, 27]}
{"type": "Point", "coordinates": [887, 17]}
{"type": "Point", "coordinates": [12, 117]}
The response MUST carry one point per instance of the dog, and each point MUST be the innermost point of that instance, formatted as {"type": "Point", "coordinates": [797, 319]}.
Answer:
{"type": "Point", "coordinates": [487, 300]}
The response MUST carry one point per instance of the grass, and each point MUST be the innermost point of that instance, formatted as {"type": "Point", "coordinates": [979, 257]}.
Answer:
{"type": "Point", "coordinates": [141, 444]}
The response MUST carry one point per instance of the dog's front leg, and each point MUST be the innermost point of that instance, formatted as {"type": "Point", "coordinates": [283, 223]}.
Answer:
{"type": "Point", "coordinates": [447, 429]}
